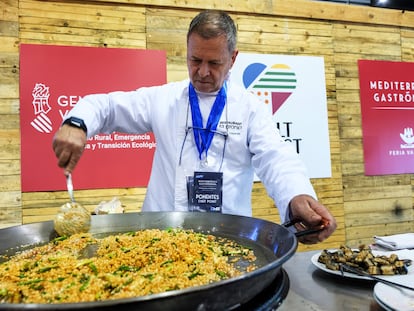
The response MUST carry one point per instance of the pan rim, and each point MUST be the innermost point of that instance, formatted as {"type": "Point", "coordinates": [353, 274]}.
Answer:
{"type": "Point", "coordinates": [272, 266]}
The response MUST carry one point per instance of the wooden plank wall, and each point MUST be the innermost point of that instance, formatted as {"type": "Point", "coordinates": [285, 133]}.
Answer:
{"type": "Point", "coordinates": [341, 33]}
{"type": "Point", "coordinates": [10, 198]}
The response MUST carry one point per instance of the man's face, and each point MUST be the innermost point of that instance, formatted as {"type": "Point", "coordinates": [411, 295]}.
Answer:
{"type": "Point", "coordinates": [208, 62]}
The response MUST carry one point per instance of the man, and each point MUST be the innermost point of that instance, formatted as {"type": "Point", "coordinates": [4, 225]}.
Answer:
{"type": "Point", "coordinates": [211, 134]}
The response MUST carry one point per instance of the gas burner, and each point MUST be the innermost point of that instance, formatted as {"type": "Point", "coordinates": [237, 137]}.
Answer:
{"type": "Point", "coordinates": [271, 297]}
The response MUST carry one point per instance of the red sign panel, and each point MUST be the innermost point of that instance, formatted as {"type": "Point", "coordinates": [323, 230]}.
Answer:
{"type": "Point", "coordinates": [387, 108]}
{"type": "Point", "coordinates": [52, 80]}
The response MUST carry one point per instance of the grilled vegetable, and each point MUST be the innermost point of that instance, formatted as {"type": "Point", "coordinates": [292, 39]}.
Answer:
{"type": "Point", "coordinates": [363, 259]}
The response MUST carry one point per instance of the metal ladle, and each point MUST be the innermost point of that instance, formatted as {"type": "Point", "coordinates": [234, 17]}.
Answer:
{"type": "Point", "coordinates": [73, 217]}
{"type": "Point", "coordinates": [69, 186]}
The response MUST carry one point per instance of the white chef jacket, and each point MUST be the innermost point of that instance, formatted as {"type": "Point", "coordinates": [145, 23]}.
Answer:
{"type": "Point", "coordinates": [253, 144]}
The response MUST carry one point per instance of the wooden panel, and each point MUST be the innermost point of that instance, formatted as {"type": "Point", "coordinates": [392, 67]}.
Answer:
{"type": "Point", "coordinates": [293, 8]}
{"type": "Point", "coordinates": [356, 236]}
{"type": "Point", "coordinates": [407, 45]}
{"type": "Point", "coordinates": [373, 205]}
{"type": "Point", "coordinates": [167, 31]}
{"type": "Point", "coordinates": [93, 25]}
{"type": "Point", "coordinates": [10, 195]}
{"type": "Point", "coordinates": [9, 11]}
{"type": "Point", "coordinates": [390, 211]}
{"type": "Point", "coordinates": [41, 206]}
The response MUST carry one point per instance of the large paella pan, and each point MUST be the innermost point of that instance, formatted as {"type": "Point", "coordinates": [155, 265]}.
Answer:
{"type": "Point", "coordinates": [272, 244]}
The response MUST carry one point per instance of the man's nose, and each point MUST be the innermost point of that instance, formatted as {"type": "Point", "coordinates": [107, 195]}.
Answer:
{"type": "Point", "coordinates": [204, 70]}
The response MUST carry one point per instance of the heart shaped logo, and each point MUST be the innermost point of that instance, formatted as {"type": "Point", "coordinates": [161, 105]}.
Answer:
{"type": "Point", "coordinates": [273, 85]}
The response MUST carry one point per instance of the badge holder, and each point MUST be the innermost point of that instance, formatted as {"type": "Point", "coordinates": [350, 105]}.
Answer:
{"type": "Point", "coordinates": [205, 192]}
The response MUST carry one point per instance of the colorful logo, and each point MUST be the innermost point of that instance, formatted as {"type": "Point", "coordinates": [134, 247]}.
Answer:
{"type": "Point", "coordinates": [41, 122]}
{"type": "Point", "coordinates": [271, 84]}
{"type": "Point", "coordinates": [408, 138]}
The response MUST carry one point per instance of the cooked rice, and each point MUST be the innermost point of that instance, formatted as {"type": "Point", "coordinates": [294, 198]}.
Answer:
{"type": "Point", "coordinates": [126, 265]}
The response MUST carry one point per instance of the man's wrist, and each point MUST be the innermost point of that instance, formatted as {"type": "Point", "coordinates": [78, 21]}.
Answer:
{"type": "Point", "coordinates": [76, 122]}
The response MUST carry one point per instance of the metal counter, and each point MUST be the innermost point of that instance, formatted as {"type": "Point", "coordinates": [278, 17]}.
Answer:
{"type": "Point", "coordinates": [317, 290]}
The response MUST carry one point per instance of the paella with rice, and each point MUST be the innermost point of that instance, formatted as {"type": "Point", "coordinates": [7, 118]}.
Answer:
{"type": "Point", "coordinates": [125, 265]}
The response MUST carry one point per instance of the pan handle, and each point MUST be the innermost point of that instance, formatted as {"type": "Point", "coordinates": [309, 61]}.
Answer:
{"type": "Point", "coordinates": [301, 233]}
{"type": "Point", "coordinates": [308, 231]}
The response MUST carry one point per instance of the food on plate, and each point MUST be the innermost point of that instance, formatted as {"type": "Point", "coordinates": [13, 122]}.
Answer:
{"type": "Point", "coordinates": [363, 259]}
{"type": "Point", "coordinates": [125, 265]}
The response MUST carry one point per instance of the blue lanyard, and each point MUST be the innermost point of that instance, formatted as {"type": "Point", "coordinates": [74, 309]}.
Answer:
{"type": "Point", "coordinates": [204, 136]}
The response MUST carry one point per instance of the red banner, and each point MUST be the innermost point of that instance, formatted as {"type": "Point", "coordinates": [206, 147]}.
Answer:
{"type": "Point", "coordinates": [52, 80]}
{"type": "Point", "coordinates": [387, 109]}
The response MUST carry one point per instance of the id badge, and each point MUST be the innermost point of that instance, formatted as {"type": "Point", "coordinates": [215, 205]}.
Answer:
{"type": "Point", "coordinates": [205, 192]}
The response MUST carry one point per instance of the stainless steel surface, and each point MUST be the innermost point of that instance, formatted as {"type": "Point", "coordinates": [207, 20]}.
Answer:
{"type": "Point", "coordinates": [316, 290]}
{"type": "Point", "coordinates": [272, 244]}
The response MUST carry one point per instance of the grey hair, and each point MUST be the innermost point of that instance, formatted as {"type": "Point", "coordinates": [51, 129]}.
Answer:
{"type": "Point", "coordinates": [211, 24]}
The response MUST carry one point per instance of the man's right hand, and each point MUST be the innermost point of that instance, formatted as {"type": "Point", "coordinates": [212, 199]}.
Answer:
{"type": "Point", "coordinates": [68, 145]}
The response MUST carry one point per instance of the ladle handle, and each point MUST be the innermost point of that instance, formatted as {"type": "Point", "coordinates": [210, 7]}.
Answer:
{"type": "Point", "coordinates": [69, 185]}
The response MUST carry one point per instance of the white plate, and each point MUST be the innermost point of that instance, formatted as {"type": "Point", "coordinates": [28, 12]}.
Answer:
{"type": "Point", "coordinates": [402, 254]}
{"type": "Point", "coordinates": [392, 298]}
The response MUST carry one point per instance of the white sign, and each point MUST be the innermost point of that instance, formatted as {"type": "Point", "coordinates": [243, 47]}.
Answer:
{"type": "Point", "coordinates": [293, 87]}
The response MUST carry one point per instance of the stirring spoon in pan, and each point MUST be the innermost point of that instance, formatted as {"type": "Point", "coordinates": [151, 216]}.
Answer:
{"type": "Point", "coordinates": [73, 217]}
{"type": "Point", "coordinates": [69, 186]}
